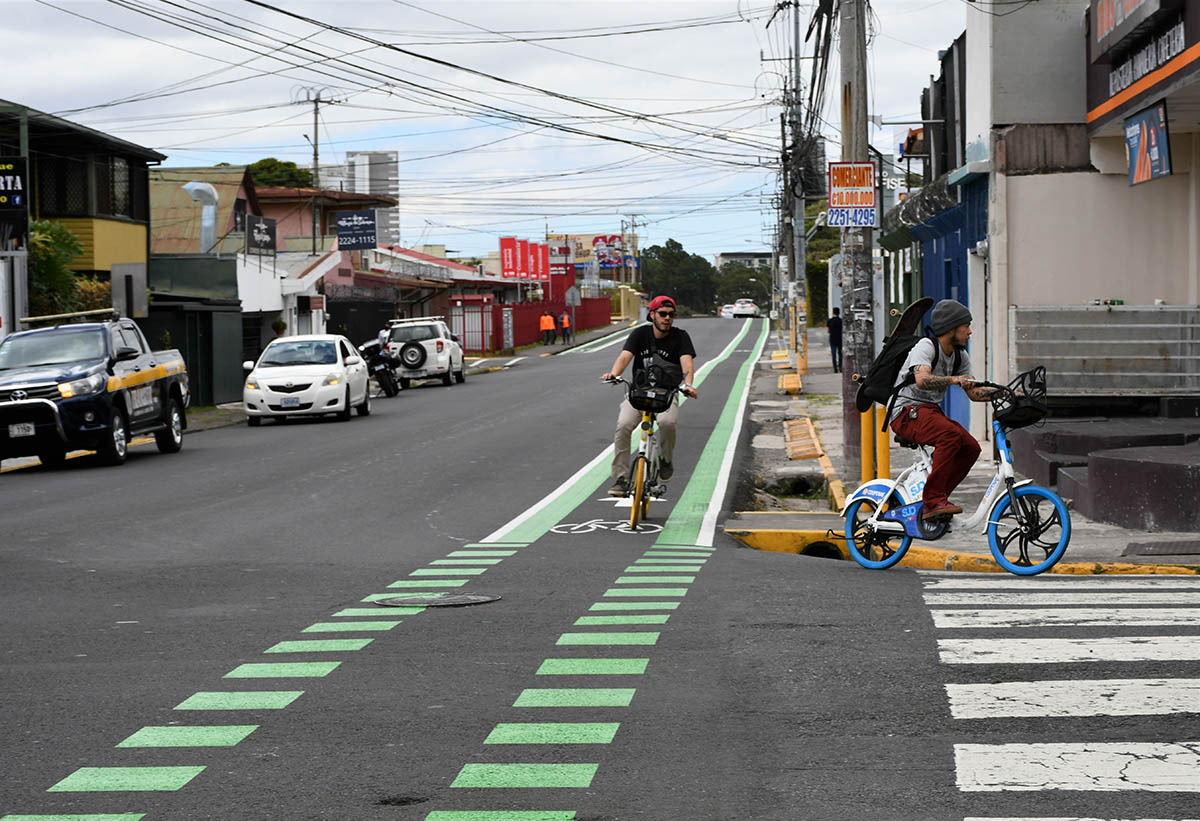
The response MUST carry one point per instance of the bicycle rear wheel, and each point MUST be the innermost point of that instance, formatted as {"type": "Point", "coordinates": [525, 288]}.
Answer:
{"type": "Point", "coordinates": [639, 492]}
{"type": "Point", "coordinates": [1034, 542]}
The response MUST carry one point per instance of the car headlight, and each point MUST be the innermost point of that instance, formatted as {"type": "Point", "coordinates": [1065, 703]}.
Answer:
{"type": "Point", "coordinates": [82, 387]}
{"type": "Point", "coordinates": [254, 383]}
{"type": "Point", "coordinates": [332, 379]}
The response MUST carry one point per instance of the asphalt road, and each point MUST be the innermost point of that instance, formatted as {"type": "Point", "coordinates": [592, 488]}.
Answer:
{"type": "Point", "coordinates": [656, 675]}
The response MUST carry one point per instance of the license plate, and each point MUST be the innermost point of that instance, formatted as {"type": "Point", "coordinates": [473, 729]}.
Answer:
{"type": "Point", "coordinates": [20, 429]}
{"type": "Point", "coordinates": [291, 402]}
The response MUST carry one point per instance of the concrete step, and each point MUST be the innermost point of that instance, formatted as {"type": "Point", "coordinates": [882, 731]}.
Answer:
{"type": "Point", "coordinates": [1073, 485]}
{"type": "Point", "coordinates": [1148, 488]}
{"type": "Point", "coordinates": [1046, 465]}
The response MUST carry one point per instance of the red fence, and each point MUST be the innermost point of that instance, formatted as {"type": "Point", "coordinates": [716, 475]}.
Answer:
{"type": "Point", "coordinates": [592, 313]}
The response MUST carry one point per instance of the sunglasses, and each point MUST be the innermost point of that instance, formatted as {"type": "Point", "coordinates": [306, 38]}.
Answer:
{"type": "Point", "coordinates": [665, 314]}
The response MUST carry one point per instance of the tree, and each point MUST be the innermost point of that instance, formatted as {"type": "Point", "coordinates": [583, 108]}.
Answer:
{"type": "Point", "coordinates": [736, 280]}
{"type": "Point", "coordinates": [271, 172]}
{"type": "Point", "coordinates": [52, 288]}
{"type": "Point", "coordinates": [688, 278]}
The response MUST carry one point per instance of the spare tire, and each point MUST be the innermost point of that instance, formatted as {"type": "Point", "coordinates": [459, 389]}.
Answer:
{"type": "Point", "coordinates": [412, 355]}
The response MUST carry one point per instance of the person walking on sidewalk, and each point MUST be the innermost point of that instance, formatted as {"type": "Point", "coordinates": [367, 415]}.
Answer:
{"type": "Point", "coordinates": [916, 415]}
{"type": "Point", "coordinates": [834, 326]}
{"type": "Point", "coordinates": [547, 327]}
{"type": "Point", "coordinates": [662, 356]}
{"type": "Point", "coordinates": [565, 322]}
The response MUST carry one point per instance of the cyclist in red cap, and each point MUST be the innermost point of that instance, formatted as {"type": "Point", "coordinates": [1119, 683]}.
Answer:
{"type": "Point", "coordinates": [662, 355]}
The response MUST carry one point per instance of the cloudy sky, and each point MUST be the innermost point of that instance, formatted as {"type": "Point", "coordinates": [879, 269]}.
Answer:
{"type": "Point", "coordinates": [510, 118]}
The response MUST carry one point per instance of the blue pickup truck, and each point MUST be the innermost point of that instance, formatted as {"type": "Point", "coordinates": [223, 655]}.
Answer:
{"type": "Point", "coordinates": [88, 385]}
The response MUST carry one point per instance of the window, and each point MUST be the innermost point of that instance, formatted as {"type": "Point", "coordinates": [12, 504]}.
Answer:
{"type": "Point", "coordinates": [132, 338]}
{"type": "Point", "coordinates": [346, 351]}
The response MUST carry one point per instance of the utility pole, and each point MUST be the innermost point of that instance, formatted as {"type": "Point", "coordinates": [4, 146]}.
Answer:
{"type": "Point", "coordinates": [800, 151]}
{"type": "Point", "coordinates": [314, 96]}
{"type": "Point", "coordinates": [857, 299]}
{"type": "Point", "coordinates": [786, 242]}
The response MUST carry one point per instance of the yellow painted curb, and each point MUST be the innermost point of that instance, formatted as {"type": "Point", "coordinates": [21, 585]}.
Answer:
{"type": "Point", "coordinates": [789, 383]}
{"type": "Point", "coordinates": [779, 354]}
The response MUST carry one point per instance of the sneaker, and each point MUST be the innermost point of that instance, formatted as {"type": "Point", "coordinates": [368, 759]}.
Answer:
{"type": "Point", "coordinates": [665, 469]}
{"type": "Point", "coordinates": [619, 487]}
{"type": "Point", "coordinates": [944, 509]}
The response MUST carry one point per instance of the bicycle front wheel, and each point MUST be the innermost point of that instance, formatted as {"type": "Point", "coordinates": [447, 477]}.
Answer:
{"type": "Point", "coordinates": [873, 551]}
{"type": "Point", "coordinates": [1035, 540]}
{"type": "Point", "coordinates": [639, 492]}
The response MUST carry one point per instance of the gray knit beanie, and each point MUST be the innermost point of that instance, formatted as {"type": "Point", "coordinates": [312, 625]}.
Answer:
{"type": "Point", "coordinates": [948, 315]}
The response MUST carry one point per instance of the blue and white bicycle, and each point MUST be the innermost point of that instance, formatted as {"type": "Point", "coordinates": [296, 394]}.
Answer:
{"type": "Point", "coordinates": [1028, 526]}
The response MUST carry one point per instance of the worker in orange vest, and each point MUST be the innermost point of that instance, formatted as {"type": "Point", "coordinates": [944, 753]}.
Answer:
{"type": "Point", "coordinates": [565, 321]}
{"type": "Point", "coordinates": [547, 327]}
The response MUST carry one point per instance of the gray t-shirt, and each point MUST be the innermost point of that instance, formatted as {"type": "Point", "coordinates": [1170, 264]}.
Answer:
{"type": "Point", "coordinates": [922, 354]}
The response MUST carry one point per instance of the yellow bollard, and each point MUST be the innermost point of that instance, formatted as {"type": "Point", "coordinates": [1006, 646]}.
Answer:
{"type": "Point", "coordinates": [866, 423]}
{"type": "Point", "coordinates": [883, 446]}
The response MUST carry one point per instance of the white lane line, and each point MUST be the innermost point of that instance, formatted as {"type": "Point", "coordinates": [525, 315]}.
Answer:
{"type": "Point", "coordinates": [1066, 617]}
{"type": "Point", "coordinates": [1041, 583]}
{"type": "Point", "coordinates": [1120, 767]}
{"type": "Point", "coordinates": [1084, 599]}
{"type": "Point", "coordinates": [1059, 651]}
{"type": "Point", "coordinates": [1072, 818]}
{"type": "Point", "coordinates": [1106, 697]}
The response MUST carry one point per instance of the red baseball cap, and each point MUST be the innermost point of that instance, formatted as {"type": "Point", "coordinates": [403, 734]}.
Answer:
{"type": "Point", "coordinates": [660, 301]}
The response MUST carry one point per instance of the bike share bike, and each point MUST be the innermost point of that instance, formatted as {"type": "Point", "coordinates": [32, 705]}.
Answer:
{"type": "Point", "coordinates": [643, 480]}
{"type": "Point", "coordinates": [1028, 526]}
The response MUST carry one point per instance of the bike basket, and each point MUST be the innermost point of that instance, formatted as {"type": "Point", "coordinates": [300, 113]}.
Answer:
{"type": "Point", "coordinates": [654, 400]}
{"type": "Point", "coordinates": [1024, 403]}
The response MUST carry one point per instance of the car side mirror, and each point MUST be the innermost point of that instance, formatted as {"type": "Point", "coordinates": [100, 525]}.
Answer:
{"type": "Point", "coordinates": [454, 337]}
{"type": "Point", "coordinates": [353, 360]}
{"type": "Point", "coordinates": [247, 365]}
{"type": "Point", "coordinates": [125, 353]}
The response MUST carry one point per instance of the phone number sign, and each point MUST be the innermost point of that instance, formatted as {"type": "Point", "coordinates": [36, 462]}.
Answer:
{"type": "Point", "coordinates": [852, 200]}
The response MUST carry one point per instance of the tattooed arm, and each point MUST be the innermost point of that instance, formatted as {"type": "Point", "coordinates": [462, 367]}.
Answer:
{"type": "Point", "coordinates": [927, 381]}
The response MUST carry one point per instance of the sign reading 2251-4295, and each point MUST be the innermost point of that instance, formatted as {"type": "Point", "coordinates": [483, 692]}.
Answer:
{"type": "Point", "coordinates": [851, 217]}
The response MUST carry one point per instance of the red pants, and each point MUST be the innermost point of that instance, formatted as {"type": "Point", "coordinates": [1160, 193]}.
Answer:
{"type": "Point", "coordinates": [954, 449]}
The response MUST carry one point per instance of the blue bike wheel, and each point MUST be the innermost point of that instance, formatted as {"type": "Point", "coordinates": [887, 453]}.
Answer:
{"type": "Point", "coordinates": [875, 553]}
{"type": "Point", "coordinates": [1041, 543]}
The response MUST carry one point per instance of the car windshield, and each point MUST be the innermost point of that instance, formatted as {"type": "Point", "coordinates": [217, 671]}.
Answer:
{"type": "Point", "coordinates": [413, 333]}
{"type": "Point", "coordinates": [299, 352]}
{"type": "Point", "coordinates": [53, 348]}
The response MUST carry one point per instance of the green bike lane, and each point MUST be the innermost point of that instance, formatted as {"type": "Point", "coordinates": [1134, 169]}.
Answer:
{"type": "Point", "coordinates": [627, 601]}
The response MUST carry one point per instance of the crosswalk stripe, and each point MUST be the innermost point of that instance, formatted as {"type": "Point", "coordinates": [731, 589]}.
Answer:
{"type": "Point", "coordinates": [1059, 651]}
{"type": "Point", "coordinates": [1042, 583]}
{"type": "Point", "coordinates": [1124, 766]}
{"type": "Point", "coordinates": [1025, 598]}
{"type": "Point", "coordinates": [1066, 617]}
{"type": "Point", "coordinates": [1096, 697]}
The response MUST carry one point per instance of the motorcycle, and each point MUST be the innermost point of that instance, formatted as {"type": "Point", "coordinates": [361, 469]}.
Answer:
{"type": "Point", "coordinates": [381, 366]}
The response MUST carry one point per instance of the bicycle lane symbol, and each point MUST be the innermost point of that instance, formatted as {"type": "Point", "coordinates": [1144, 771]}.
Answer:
{"type": "Point", "coordinates": [593, 525]}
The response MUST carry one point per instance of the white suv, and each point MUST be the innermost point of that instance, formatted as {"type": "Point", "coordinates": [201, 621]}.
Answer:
{"type": "Point", "coordinates": [425, 348]}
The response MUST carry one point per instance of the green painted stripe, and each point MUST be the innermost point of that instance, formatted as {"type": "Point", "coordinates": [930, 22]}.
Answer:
{"type": "Point", "coordinates": [575, 697]}
{"type": "Point", "coordinates": [378, 612]}
{"type": "Point", "coordinates": [646, 591]}
{"type": "Point", "coordinates": [686, 520]}
{"type": "Point", "coordinates": [401, 594]}
{"type": "Point", "coordinates": [262, 700]}
{"type": "Point", "coordinates": [498, 544]}
{"type": "Point", "coordinates": [499, 815]}
{"type": "Point", "coordinates": [318, 646]}
{"type": "Point", "coordinates": [428, 583]}
{"type": "Point", "coordinates": [348, 626]}
{"type": "Point", "coordinates": [114, 779]}
{"type": "Point", "coordinates": [299, 669]}
{"type": "Point", "coordinates": [664, 565]}
{"type": "Point", "coordinates": [647, 618]}
{"type": "Point", "coordinates": [525, 775]}
{"type": "Point", "coordinates": [593, 667]}
{"type": "Point", "coordinates": [670, 546]}
{"type": "Point", "coordinates": [635, 605]}
{"type": "Point", "coordinates": [655, 580]}
{"type": "Point", "coordinates": [212, 736]}
{"type": "Point", "coordinates": [553, 733]}
{"type": "Point", "coordinates": [466, 561]}
{"type": "Point", "coordinates": [674, 553]}
{"type": "Point", "coordinates": [483, 553]}
{"type": "Point", "coordinates": [449, 571]}
{"type": "Point", "coordinates": [608, 639]}
{"type": "Point", "coordinates": [128, 816]}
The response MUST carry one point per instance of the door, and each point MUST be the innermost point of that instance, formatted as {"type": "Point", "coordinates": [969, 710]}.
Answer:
{"type": "Point", "coordinates": [356, 375]}
{"type": "Point", "coordinates": [136, 374]}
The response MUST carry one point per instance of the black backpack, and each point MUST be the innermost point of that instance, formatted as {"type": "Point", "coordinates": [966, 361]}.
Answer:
{"type": "Point", "coordinates": [880, 382]}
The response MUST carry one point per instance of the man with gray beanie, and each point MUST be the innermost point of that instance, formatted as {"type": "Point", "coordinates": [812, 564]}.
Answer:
{"type": "Point", "coordinates": [937, 364]}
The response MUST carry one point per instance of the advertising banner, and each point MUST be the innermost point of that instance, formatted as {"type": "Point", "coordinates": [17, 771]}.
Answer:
{"type": "Point", "coordinates": [605, 249]}
{"type": "Point", "coordinates": [522, 259]}
{"type": "Point", "coordinates": [260, 236]}
{"type": "Point", "coordinates": [508, 257]}
{"type": "Point", "coordinates": [535, 260]}
{"type": "Point", "coordinates": [1146, 145]}
{"type": "Point", "coordinates": [356, 230]}
{"type": "Point", "coordinates": [852, 195]}
{"type": "Point", "coordinates": [14, 204]}
{"type": "Point", "coordinates": [544, 264]}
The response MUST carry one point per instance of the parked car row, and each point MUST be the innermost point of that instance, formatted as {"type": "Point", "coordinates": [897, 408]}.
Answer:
{"type": "Point", "coordinates": [740, 308]}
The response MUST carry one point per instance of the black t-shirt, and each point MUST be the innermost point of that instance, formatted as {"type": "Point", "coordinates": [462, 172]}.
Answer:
{"type": "Point", "coordinates": [834, 324]}
{"type": "Point", "coordinates": [656, 362]}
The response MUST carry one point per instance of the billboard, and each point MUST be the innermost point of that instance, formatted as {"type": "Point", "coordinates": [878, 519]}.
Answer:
{"type": "Point", "coordinates": [522, 259]}
{"type": "Point", "coordinates": [260, 236]}
{"type": "Point", "coordinates": [544, 264]}
{"type": "Point", "coordinates": [508, 257]}
{"type": "Point", "coordinates": [852, 202]}
{"type": "Point", "coordinates": [605, 249]}
{"type": "Point", "coordinates": [355, 230]}
{"type": "Point", "coordinates": [14, 205]}
{"type": "Point", "coordinates": [1146, 144]}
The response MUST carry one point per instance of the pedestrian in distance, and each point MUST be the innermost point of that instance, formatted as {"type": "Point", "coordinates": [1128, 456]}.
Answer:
{"type": "Point", "coordinates": [937, 363]}
{"type": "Point", "coordinates": [565, 322]}
{"type": "Point", "coordinates": [662, 356]}
{"type": "Point", "coordinates": [834, 326]}
{"type": "Point", "coordinates": [547, 327]}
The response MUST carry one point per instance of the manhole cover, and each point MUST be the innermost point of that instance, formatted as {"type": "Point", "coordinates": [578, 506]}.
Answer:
{"type": "Point", "coordinates": [1187, 547]}
{"type": "Point", "coordinates": [446, 600]}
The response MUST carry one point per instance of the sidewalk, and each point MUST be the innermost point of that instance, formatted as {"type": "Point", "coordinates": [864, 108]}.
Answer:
{"type": "Point", "coordinates": [779, 515]}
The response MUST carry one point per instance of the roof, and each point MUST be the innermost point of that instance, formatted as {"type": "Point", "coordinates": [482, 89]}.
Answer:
{"type": "Point", "coordinates": [175, 216]}
{"type": "Point", "coordinates": [40, 121]}
{"type": "Point", "coordinates": [417, 255]}
{"type": "Point", "coordinates": [328, 196]}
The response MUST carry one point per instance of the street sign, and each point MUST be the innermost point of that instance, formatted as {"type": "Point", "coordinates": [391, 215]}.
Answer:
{"type": "Point", "coordinates": [573, 297]}
{"type": "Point", "coordinates": [260, 236]}
{"type": "Point", "coordinates": [852, 195]}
